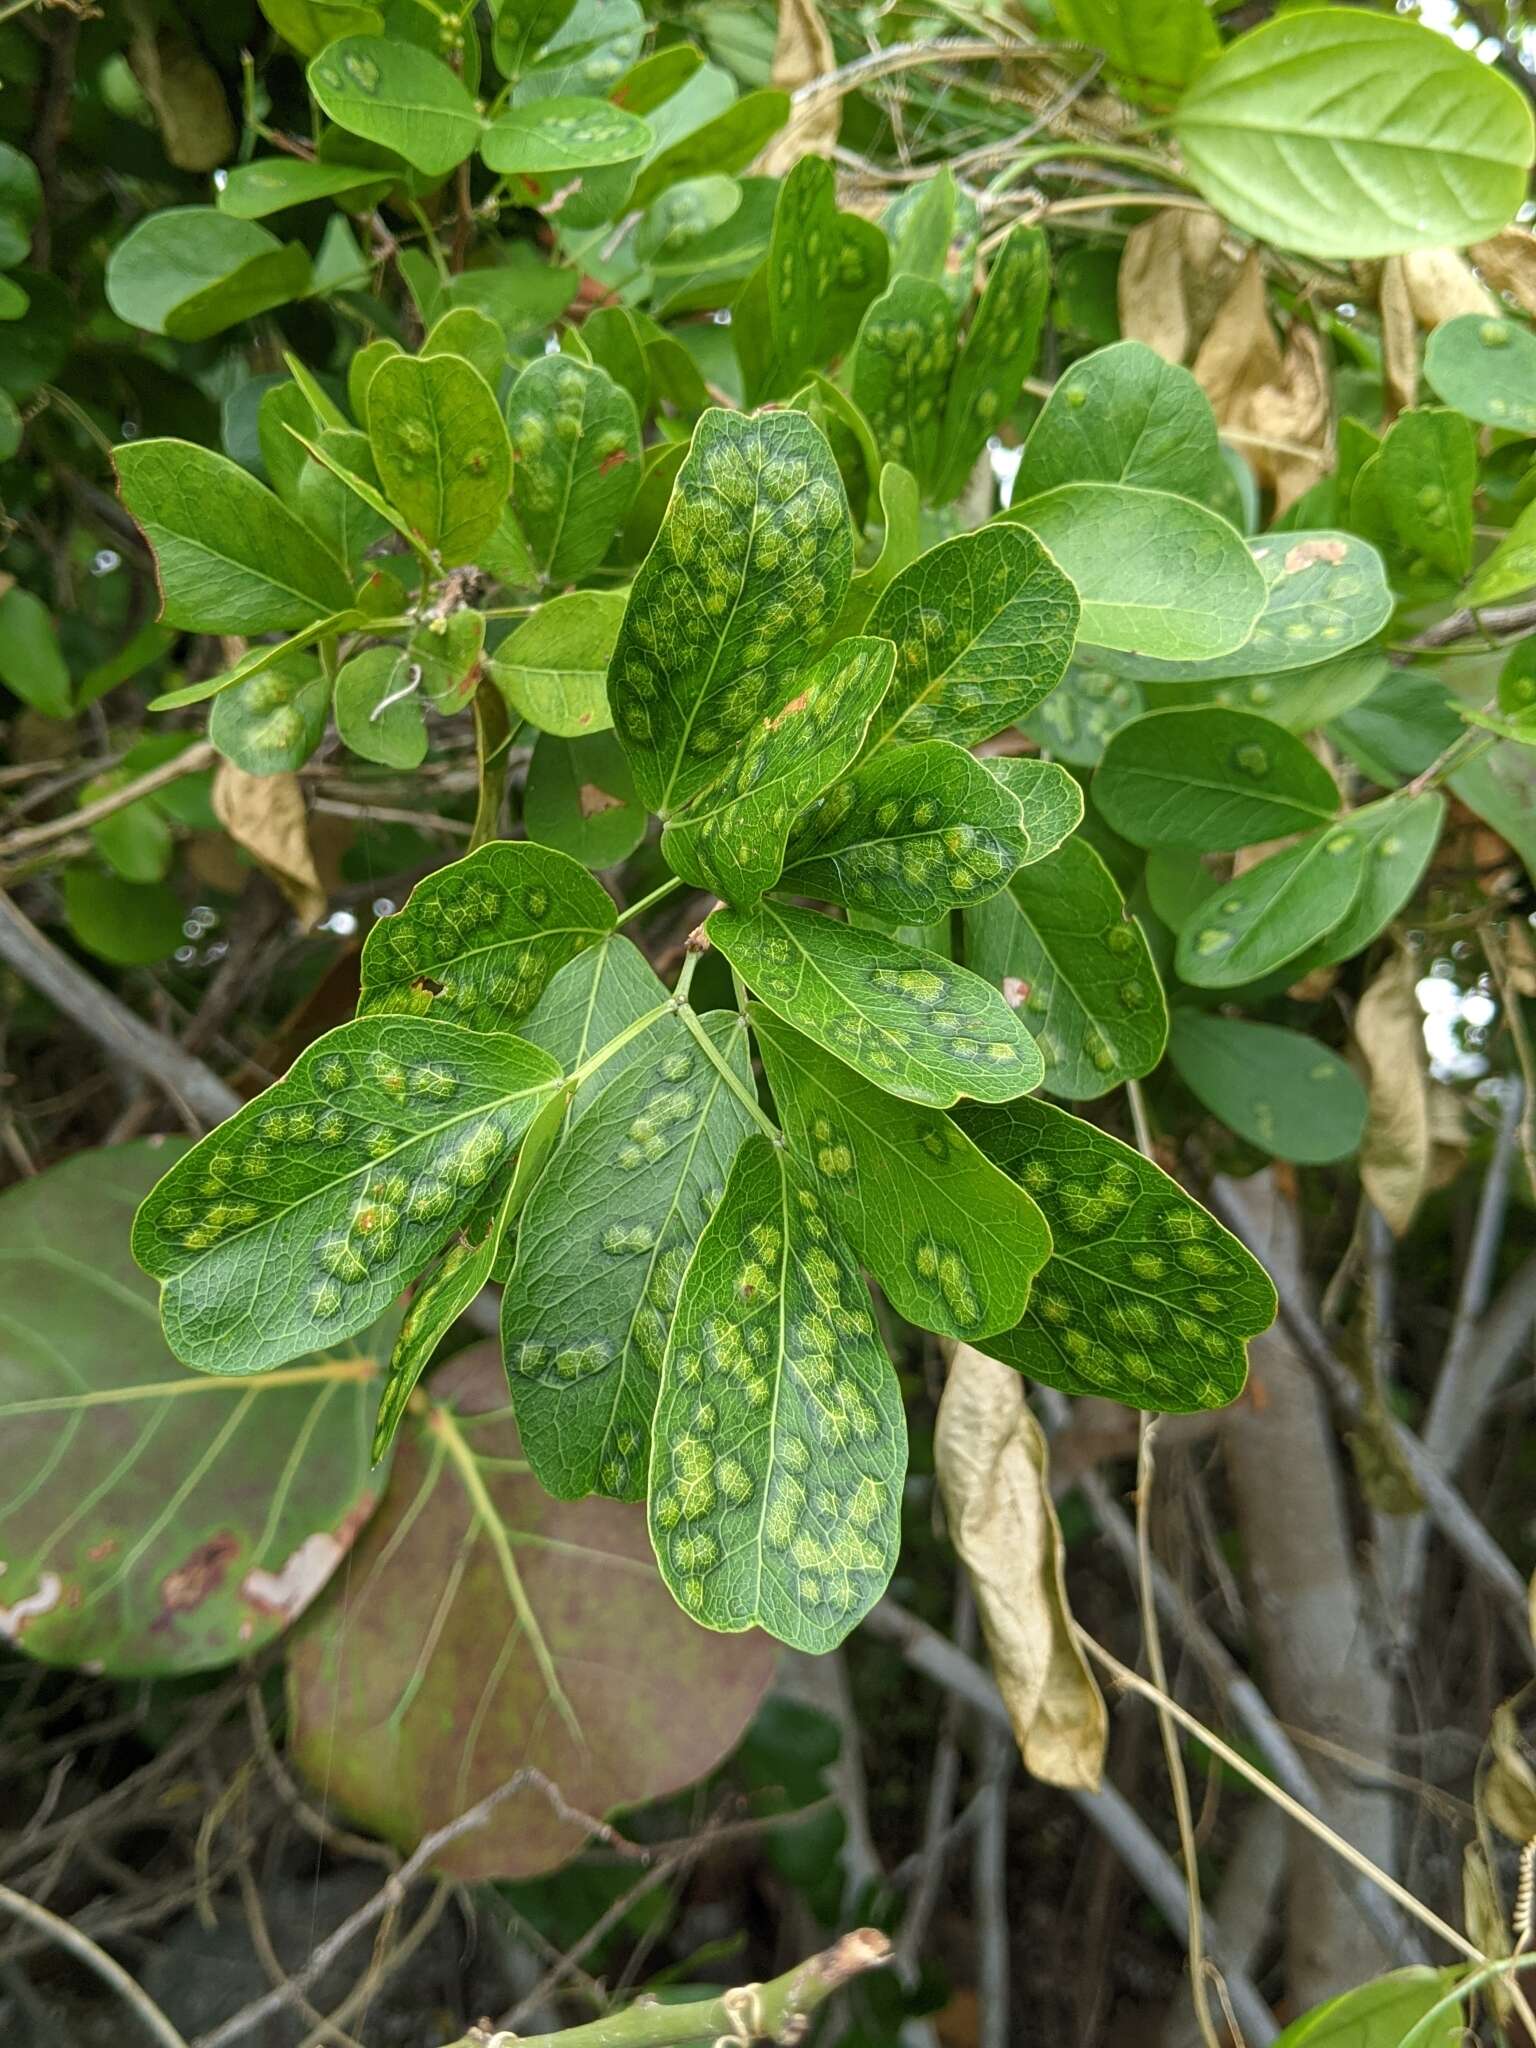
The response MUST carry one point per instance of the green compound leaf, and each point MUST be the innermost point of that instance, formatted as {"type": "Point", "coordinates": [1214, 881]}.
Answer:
{"type": "Point", "coordinates": [391, 92]}
{"type": "Point", "coordinates": [748, 574]}
{"type": "Point", "coordinates": [1155, 574]}
{"type": "Point", "coordinates": [1485, 368]}
{"type": "Point", "coordinates": [165, 1524]}
{"type": "Point", "coordinates": [1123, 416]}
{"type": "Point", "coordinates": [479, 940]}
{"type": "Point", "coordinates": [271, 723]}
{"type": "Point", "coordinates": [1145, 1298]}
{"type": "Point", "coordinates": [601, 1253]}
{"type": "Point", "coordinates": [537, 1630]}
{"type": "Point", "coordinates": [1272, 912]}
{"type": "Point", "coordinates": [1050, 798]}
{"type": "Point", "coordinates": [230, 557]}
{"type": "Point", "coordinates": [912, 832]}
{"type": "Point", "coordinates": [901, 367]}
{"type": "Point", "coordinates": [781, 1441]}
{"type": "Point", "coordinates": [563, 135]}
{"type": "Point", "coordinates": [553, 668]}
{"type": "Point", "coordinates": [1345, 135]}
{"type": "Point", "coordinates": [910, 1022]}
{"type": "Point", "coordinates": [1279, 1089]}
{"type": "Point", "coordinates": [1326, 594]}
{"type": "Point", "coordinates": [576, 440]}
{"type": "Point", "coordinates": [953, 1243]}
{"type": "Point", "coordinates": [732, 838]}
{"type": "Point", "coordinates": [441, 448]}
{"type": "Point", "coordinates": [302, 1217]}
{"type": "Point", "coordinates": [1427, 470]}
{"type": "Point", "coordinates": [1212, 779]}
{"type": "Point", "coordinates": [580, 797]}
{"type": "Point", "coordinates": [1059, 944]}
{"type": "Point", "coordinates": [996, 356]}
{"type": "Point", "coordinates": [983, 626]}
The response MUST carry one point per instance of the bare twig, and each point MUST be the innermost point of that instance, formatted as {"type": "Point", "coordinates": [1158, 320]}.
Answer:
{"type": "Point", "coordinates": [989, 1887]}
{"type": "Point", "coordinates": [1475, 624]}
{"type": "Point", "coordinates": [110, 1022]}
{"type": "Point", "coordinates": [201, 755]}
{"type": "Point", "coordinates": [86, 1951]}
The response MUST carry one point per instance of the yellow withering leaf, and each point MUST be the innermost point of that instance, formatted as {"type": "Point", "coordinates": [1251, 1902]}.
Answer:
{"type": "Point", "coordinates": [265, 815]}
{"type": "Point", "coordinates": [1395, 1152]}
{"type": "Point", "coordinates": [802, 52]}
{"type": "Point", "coordinates": [992, 1464]}
{"type": "Point", "coordinates": [1399, 338]}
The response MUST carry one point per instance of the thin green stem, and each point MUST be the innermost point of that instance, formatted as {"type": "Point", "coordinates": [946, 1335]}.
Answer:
{"type": "Point", "coordinates": [1096, 152]}
{"type": "Point", "coordinates": [434, 250]}
{"type": "Point", "coordinates": [1463, 750]}
{"type": "Point", "coordinates": [638, 909]}
{"type": "Point", "coordinates": [606, 1052]}
{"type": "Point", "coordinates": [744, 1095]}
{"type": "Point", "coordinates": [691, 961]}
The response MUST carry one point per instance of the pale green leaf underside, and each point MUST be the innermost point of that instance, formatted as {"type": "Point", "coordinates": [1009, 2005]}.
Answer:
{"type": "Point", "coordinates": [748, 573]}
{"type": "Point", "coordinates": [911, 1022]}
{"type": "Point", "coordinates": [1155, 574]}
{"type": "Point", "coordinates": [731, 839]}
{"type": "Point", "coordinates": [780, 1435]}
{"type": "Point", "coordinates": [1344, 133]}
{"type": "Point", "coordinates": [1145, 1299]}
{"type": "Point", "coordinates": [912, 832]}
{"type": "Point", "coordinates": [478, 941]}
{"type": "Point", "coordinates": [953, 1243]}
{"type": "Point", "coordinates": [601, 1252]}
{"type": "Point", "coordinates": [1060, 945]}
{"type": "Point", "coordinates": [299, 1220]}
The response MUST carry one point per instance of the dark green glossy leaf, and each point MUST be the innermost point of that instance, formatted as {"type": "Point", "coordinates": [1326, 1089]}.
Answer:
{"type": "Point", "coordinates": [576, 440]}
{"type": "Point", "coordinates": [601, 1253]}
{"type": "Point", "coordinates": [1274, 911]}
{"type": "Point", "coordinates": [300, 1219]}
{"type": "Point", "coordinates": [732, 837]}
{"type": "Point", "coordinates": [1050, 798]}
{"type": "Point", "coordinates": [983, 626]}
{"type": "Point", "coordinates": [909, 1021]}
{"type": "Point", "coordinates": [952, 1241]}
{"type": "Point", "coordinates": [1145, 1299]}
{"type": "Point", "coordinates": [231, 558]}
{"type": "Point", "coordinates": [1060, 945]}
{"type": "Point", "coordinates": [441, 449]}
{"type": "Point", "coordinates": [1280, 1090]}
{"type": "Point", "coordinates": [1211, 779]}
{"type": "Point", "coordinates": [776, 1493]}
{"type": "Point", "coordinates": [390, 92]}
{"type": "Point", "coordinates": [901, 368]}
{"type": "Point", "coordinates": [553, 668]}
{"type": "Point", "coordinates": [912, 832]}
{"type": "Point", "coordinates": [747, 575]}
{"type": "Point", "coordinates": [1397, 838]}
{"type": "Point", "coordinates": [478, 941]}
{"type": "Point", "coordinates": [1122, 416]}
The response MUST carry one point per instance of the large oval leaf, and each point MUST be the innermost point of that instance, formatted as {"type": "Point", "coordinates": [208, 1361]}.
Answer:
{"type": "Point", "coordinates": [1273, 912]}
{"type": "Point", "coordinates": [1344, 133]}
{"type": "Point", "coordinates": [1155, 574]}
{"type": "Point", "coordinates": [781, 1437]}
{"type": "Point", "coordinates": [391, 92]}
{"type": "Point", "coordinates": [1145, 1297]}
{"type": "Point", "coordinates": [553, 668]}
{"type": "Point", "coordinates": [536, 1631]}
{"type": "Point", "coordinates": [1211, 779]}
{"type": "Point", "coordinates": [160, 1522]}
{"type": "Point", "coordinates": [911, 1022]}
{"type": "Point", "coordinates": [1279, 1089]}
{"type": "Point", "coordinates": [1486, 368]}
{"type": "Point", "coordinates": [576, 441]}
{"type": "Point", "coordinates": [1123, 416]}
{"type": "Point", "coordinates": [442, 450]}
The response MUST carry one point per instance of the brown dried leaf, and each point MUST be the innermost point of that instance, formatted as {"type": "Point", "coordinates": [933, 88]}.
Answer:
{"type": "Point", "coordinates": [1240, 354]}
{"type": "Point", "coordinates": [1508, 262]}
{"type": "Point", "coordinates": [1448, 1142]}
{"type": "Point", "coordinates": [992, 1465]}
{"type": "Point", "coordinates": [1442, 284]}
{"type": "Point", "coordinates": [1297, 409]}
{"type": "Point", "coordinates": [802, 51]}
{"type": "Point", "coordinates": [265, 814]}
{"type": "Point", "coordinates": [1399, 337]}
{"type": "Point", "coordinates": [1175, 274]}
{"type": "Point", "coordinates": [1395, 1151]}
{"type": "Point", "coordinates": [1483, 1915]}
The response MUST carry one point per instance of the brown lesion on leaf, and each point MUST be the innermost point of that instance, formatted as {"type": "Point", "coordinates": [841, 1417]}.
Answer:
{"type": "Point", "coordinates": [592, 800]}
{"type": "Point", "coordinates": [287, 1591]}
{"type": "Point", "coordinates": [791, 710]}
{"type": "Point", "coordinates": [611, 462]}
{"type": "Point", "coordinates": [198, 1577]}
{"type": "Point", "coordinates": [1326, 548]}
{"type": "Point", "coordinates": [1015, 991]}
